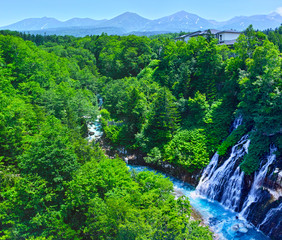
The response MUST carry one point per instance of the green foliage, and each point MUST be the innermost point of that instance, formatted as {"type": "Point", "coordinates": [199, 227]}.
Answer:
{"type": "Point", "coordinates": [197, 108]}
{"type": "Point", "coordinates": [162, 121]}
{"type": "Point", "coordinates": [247, 42]}
{"type": "Point", "coordinates": [22, 207]}
{"type": "Point", "coordinates": [259, 147]}
{"type": "Point", "coordinates": [261, 89]}
{"type": "Point", "coordinates": [56, 186]}
{"type": "Point", "coordinates": [218, 120]}
{"type": "Point", "coordinates": [105, 114]}
{"type": "Point", "coordinates": [231, 140]}
{"type": "Point", "coordinates": [17, 120]}
{"type": "Point", "coordinates": [154, 156]}
{"type": "Point", "coordinates": [114, 133]}
{"type": "Point", "coordinates": [188, 68]}
{"type": "Point", "coordinates": [278, 143]}
{"type": "Point", "coordinates": [122, 56]}
{"type": "Point", "coordinates": [276, 37]}
{"type": "Point", "coordinates": [49, 154]}
{"type": "Point", "coordinates": [188, 149]}
{"type": "Point", "coordinates": [108, 203]}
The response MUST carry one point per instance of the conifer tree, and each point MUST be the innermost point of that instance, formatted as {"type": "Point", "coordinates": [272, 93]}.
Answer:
{"type": "Point", "coordinates": [163, 119]}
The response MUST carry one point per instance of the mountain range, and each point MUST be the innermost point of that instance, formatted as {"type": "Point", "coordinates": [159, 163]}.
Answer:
{"type": "Point", "coordinates": [131, 22]}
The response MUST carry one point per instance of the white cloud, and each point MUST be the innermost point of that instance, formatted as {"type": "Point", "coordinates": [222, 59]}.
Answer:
{"type": "Point", "coordinates": [279, 10]}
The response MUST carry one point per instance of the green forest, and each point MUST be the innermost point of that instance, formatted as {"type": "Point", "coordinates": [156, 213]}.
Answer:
{"type": "Point", "coordinates": [170, 101]}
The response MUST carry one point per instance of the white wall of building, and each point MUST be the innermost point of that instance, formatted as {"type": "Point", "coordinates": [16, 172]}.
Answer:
{"type": "Point", "coordinates": [228, 36]}
{"type": "Point", "coordinates": [186, 39]}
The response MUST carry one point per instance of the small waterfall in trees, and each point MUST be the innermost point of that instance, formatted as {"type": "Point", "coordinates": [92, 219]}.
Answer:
{"type": "Point", "coordinates": [237, 122]}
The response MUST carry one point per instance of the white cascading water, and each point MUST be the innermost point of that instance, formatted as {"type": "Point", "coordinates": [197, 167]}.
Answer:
{"type": "Point", "coordinates": [232, 195]}
{"type": "Point", "coordinates": [94, 130]}
{"type": "Point", "coordinates": [225, 183]}
{"type": "Point", "coordinates": [214, 181]}
{"type": "Point", "coordinates": [260, 175]}
{"type": "Point", "coordinates": [100, 101]}
{"type": "Point", "coordinates": [237, 122]}
{"type": "Point", "coordinates": [225, 180]}
{"type": "Point", "coordinates": [208, 171]}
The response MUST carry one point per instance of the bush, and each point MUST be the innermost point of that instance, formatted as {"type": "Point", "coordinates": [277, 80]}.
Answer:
{"type": "Point", "coordinates": [258, 149]}
{"type": "Point", "coordinates": [154, 156]}
{"type": "Point", "coordinates": [105, 114]}
{"type": "Point", "coordinates": [188, 149]}
{"type": "Point", "coordinates": [231, 140]}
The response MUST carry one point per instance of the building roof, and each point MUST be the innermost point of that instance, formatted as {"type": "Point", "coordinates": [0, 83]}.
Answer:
{"type": "Point", "coordinates": [228, 31]}
{"type": "Point", "coordinates": [183, 36]}
{"type": "Point", "coordinates": [212, 31]}
{"type": "Point", "coordinates": [194, 34]}
{"type": "Point", "coordinates": [205, 32]}
{"type": "Point", "coordinates": [209, 31]}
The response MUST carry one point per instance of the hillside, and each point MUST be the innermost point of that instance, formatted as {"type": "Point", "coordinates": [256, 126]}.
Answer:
{"type": "Point", "coordinates": [208, 114]}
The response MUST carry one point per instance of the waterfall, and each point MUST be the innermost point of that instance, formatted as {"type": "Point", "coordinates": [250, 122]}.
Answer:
{"type": "Point", "coordinates": [224, 183]}
{"type": "Point", "coordinates": [223, 222]}
{"type": "Point", "coordinates": [260, 175]}
{"type": "Point", "coordinates": [100, 102]}
{"type": "Point", "coordinates": [94, 130]}
{"type": "Point", "coordinates": [237, 122]}
{"type": "Point", "coordinates": [232, 195]}
{"type": "Point", "coordinates": [208, 171]}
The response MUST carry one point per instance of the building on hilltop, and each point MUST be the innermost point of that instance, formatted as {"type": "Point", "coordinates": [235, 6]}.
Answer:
{"type": "Point", "coordinates": [226, 37]}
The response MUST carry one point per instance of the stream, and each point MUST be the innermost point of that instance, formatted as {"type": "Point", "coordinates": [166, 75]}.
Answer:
{"type": "Point", "coordinates": [226, 224]}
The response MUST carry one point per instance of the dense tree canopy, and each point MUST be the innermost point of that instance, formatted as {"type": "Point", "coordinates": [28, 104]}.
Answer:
{"type": "Point", "coordinates": [170, 102]}
{"type": "Point", "coordinates": [55, 185]}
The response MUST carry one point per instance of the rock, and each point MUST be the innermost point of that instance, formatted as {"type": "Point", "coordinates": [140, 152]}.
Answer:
{"type": "Point", "coordinates": [248, 225]}
{"type": "Point", "coordinates": [241, 225]}
{"type": "Point", "coordinates": [243, 230]}
{"type": "Point", "coordinates": [279, 178]}
{"type": "Point", "coordinates": [235, 227]}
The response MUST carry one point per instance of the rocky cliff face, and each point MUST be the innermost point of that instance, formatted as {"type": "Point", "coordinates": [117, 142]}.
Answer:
{"type": "Point", "coordinates": [257, 198]}
{"type": "Point", "coordinates": [266, 213]}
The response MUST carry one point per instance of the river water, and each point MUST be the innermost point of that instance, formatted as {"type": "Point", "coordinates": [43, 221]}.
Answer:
{"type": "Point", "coordinates": [222, 221]}
{"type": "Point", "coordinates": [226, 224]}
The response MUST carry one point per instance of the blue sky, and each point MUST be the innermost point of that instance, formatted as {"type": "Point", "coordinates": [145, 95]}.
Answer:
{"type": "Point", "coordinates": [15, 10]}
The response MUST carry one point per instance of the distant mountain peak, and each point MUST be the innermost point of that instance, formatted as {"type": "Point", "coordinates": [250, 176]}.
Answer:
{"type": "Point", "coordinates": [181, 13]}
{"type": "Point", "coordinates": [130, 21]}
{"type": "Point", "coordinates": [128, 15]}
{"type": "Point", "coordinates": [279, 11]}
{"type": "Point", "coordinates": [275, 14]}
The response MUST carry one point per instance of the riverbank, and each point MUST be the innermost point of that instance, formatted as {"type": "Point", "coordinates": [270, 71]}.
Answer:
{"type": "Point", "coordinates": [196, 216]}
{"type": "Point", "coordinates": [224, 223]}
{"type": "Point", "coordinates": [138, 160]}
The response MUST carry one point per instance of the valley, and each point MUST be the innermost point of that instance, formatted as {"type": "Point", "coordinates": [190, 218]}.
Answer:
{"type": "Point", "coordinates": [205, 115]}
